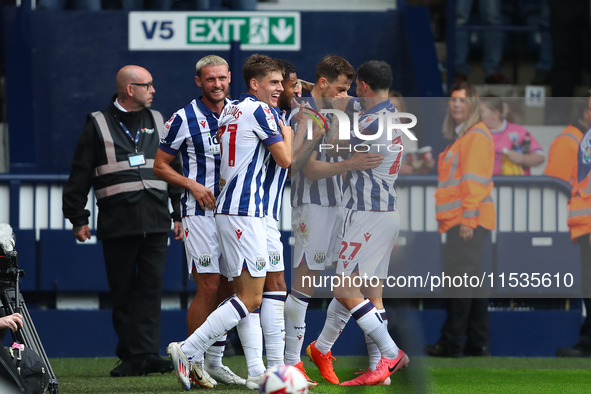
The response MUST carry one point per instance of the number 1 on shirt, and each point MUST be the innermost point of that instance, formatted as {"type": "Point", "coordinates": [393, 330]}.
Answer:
{"type": "Point", "coordinates": [232, 148]}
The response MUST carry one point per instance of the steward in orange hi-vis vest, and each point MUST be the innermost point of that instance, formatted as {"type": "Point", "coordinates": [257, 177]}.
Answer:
{"type": "Point", "coordinates": [579, 207]}
{"type": "Point", "coordinates": [562, 164]}
{"type": "Point", "coordinates": [464, 184]}
{"type": "Point", "coordinates": [562, 157]}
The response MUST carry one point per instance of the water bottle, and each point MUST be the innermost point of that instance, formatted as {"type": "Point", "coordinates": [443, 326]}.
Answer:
{"type": "Point", "coordinates": [516, 147]}
{"type": "Point", "coordinates": [526, 144]}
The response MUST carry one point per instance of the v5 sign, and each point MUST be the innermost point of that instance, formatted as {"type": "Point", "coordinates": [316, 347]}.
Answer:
{"type": "Point", "coordinates": [214, 31]}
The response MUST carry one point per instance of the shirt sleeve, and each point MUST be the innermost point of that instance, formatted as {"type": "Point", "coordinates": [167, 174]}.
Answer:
{"type": "Point", "coordinates": [76, 188]}
{"type": "Point", "coordinates": [535, 146]}
{"type": "Point", "coordinates": [562, 158]}
{"type": "Point", "coordinates": [174, 134]}
{"type": "Point", "coordinates": [265, 125]}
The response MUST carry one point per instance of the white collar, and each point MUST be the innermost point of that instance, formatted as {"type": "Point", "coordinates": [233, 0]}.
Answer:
{"type": "Point", "coordinates": [459, 127]}
{"type": "Point", "coordinates": [500, 129]}
{"type": "Point", "coordinates": [119, 107]}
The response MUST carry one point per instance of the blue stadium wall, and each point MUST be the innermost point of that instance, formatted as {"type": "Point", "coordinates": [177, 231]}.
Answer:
{"type": "Point", "coordinates": [61, 66]}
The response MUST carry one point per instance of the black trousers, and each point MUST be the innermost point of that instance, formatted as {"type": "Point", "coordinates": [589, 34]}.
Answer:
{"type": "Point", "coordinates": [467, 317]}
{"type": "Point", "coordinates": [135, 265]}
{"type": "Point", "coordinates": [585, 333]}
{"type": "Point", "coordinates": [569, 23]}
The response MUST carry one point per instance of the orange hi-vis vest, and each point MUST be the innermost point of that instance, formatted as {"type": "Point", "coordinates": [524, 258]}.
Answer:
{"type": "Point", "coordinates": [579, 208]}
{"type": "Point", "coordinates": [563, 164]}
{"type": "Point", "coordinates": [562, 157]}
{"type": "Point", "coordinates": [464, 184]}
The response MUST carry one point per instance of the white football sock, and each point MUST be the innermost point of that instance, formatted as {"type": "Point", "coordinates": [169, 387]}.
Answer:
{"type": "Point", "coordinates": [370, 321]}
{"type": "Point", "coordinates": [251, 336]}
{"type": "Point", "coordinates": [215, 352]}
{"type": "Point", "coordinates": [220, 321]}
{"type": "Point", "coordinates": [372, 349]}
{"type": "Point", "coordinates": [337, 317]}
{"type": "Point", "coordinates": [295, 325]}
{"type": "Point", "coordinates": [273, 324]}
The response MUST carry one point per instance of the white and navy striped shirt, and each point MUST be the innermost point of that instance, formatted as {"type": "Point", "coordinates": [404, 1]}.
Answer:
{"type": "Point", "coordinates": [373, 190]}
{"type": "Point", "coordinates": [275, 178]}
{"type": "Point", "coordinates": [191, 131]}
{"type": "Point", "coordinates": [246, 127]}
{"type": "Point", "coordinates": [324, 192]}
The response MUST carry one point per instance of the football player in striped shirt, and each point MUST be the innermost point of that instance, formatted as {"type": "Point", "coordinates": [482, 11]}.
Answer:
{"type": "Point", "coordinates": [247, 129]}
{"type": "Point", "coordinates": [316, 200]}
{"type": "Point", "coordinates": [191, 134]}
{"type": "Point", "coordinates": [371, 226]}
{"type": "Point", "coordinates": [275, 290]}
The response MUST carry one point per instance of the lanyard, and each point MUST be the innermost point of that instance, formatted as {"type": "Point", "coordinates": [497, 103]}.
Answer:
{"type": "Point", "coordinates": [137, 135]}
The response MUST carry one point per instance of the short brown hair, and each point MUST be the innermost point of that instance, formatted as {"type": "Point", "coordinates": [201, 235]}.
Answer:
{"type": "Point", "coordinates": [258, 67]}
{"type": "Point", "coordinates": [332, 66]}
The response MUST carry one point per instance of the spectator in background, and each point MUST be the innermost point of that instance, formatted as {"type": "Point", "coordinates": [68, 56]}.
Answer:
{"type": "Point", "coordinates": [513, 142]}
{"type": "Point", "coordinates": [545, 59]}
{"type": "Point", "coordinates": [492, 41]}
{"type": "Point", "coordinates": [570, 36]}
{"type": "Point", "coordinates": [466, 213]}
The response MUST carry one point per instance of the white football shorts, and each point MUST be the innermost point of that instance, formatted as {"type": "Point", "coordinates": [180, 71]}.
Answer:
{"type": "Point", "coordinates": [202, 246]}
{"type": "Point", "coordinates": [317, 232]}
{"type": "Point", "coordinates": [242, 244]}
{"type": "Point", "coordinates": [274, 246]}
{"type": "Point", "coordinates": [368, 240]}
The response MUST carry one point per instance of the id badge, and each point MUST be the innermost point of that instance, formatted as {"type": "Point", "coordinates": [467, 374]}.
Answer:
{"type": "Point", "coordinates": [136, 159]}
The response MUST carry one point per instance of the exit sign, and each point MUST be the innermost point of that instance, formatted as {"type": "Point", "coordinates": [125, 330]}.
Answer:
{"type": "Point", "coordinates": [214, 30]}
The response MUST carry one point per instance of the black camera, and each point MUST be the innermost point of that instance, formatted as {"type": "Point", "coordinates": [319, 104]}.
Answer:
{"type": "Point", "coordinates": [8, 260]}
{"type": "Point", "coordinates": [8, 255]}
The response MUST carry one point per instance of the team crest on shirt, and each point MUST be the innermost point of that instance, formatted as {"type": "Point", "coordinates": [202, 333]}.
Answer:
{"type": "Point", "coordinates": [319, 256]}
{"type": "Point", "coordinates": [205, 259]}
{"type": "Point", "coordinates": [274, 258]}
{"type": "Point", "coordinates": [222, 183]}
{"type": "Point", "coordinates": [260, 263]}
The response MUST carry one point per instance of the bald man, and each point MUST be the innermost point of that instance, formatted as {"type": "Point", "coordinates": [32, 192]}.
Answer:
{"type": "Point", "coordinates": [115, 156]}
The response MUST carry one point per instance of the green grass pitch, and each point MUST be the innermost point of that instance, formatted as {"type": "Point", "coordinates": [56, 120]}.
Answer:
{"type": "Point", "coordinates": [424, 375]}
